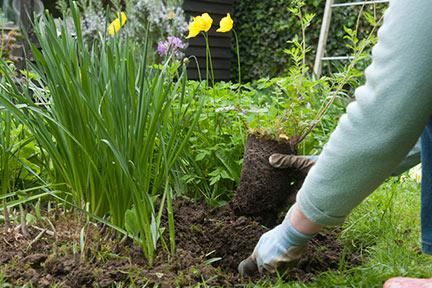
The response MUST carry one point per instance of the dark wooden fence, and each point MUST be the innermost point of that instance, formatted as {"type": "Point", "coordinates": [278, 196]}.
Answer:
{"type": "Point", "coordinates": [220, 43]}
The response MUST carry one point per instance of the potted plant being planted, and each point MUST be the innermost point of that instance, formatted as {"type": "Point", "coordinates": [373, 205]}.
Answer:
{"type": "Point", "coordinates": [279, 125]}
{"type": "Point", "coordinates": [280, 118]}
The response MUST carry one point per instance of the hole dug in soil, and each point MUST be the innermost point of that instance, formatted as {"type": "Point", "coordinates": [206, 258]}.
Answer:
{"type": "Point", "coordinates": [202, 234]}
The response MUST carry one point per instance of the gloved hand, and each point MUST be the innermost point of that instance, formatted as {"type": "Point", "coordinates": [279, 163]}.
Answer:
{"type": "Point", "coordinates": [301, 163]}
{"type": "Point", "coordinates": [278, 249]}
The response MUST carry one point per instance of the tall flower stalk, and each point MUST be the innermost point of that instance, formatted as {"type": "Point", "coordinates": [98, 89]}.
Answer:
{"type": "Point", "coordinates": [226, 25]}
{"type": "Point", "coordinates": [203, 24]}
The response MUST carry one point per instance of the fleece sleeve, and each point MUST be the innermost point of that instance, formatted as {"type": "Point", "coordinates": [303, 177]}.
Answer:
{"type": "Point", "coordinates": [383, 124]}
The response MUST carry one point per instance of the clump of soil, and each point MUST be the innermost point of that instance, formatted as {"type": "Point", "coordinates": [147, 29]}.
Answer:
{"type": "Point", "coordinates": [265, 191]}
{"type": "Point", "coordinates": [210, 242]}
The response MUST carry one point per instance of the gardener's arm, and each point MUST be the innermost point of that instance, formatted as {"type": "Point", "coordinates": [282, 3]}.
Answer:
{"type": "Point", "coordinates": [304, 163]}
{"type": "Point", "coordinates": [301, 162]}
{"type": "Point", "coordinates": [378, 130]}
{"type": "Point", "coordinates": [412, 159]}
{"type": "Point", "coordinates": [381, 127]}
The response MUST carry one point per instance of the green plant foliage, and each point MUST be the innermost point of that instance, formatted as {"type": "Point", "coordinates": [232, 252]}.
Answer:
{"type": "Point", "coordinates": [111, 125]}
{"type": "Point", "coordinates": [265, 27]}
{"type": "Point", "coordinates": [212, 160]}
{"type": "Point", "coordinates": [296, 103]}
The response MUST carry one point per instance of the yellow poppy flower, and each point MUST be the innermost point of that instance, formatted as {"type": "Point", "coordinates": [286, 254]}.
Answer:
{"type": "Point", "coordinates": [226, 24]}
{"type": "Point", "coordinates": [205, 21]}
{"type": "Point", "coordinates": [199, 23]}
{"type": "Point", "coordinates": [117, 23]}
{"type": "Point", "coordinates": [194, 29]}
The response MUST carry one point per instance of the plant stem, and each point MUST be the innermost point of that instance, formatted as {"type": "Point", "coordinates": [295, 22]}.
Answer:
{"type": "Point", "coordinates": [208, 60]}
{"type": "Point", "coordinates": [239, 70]}
{"type": "Point", "coordinates": [321, 113]}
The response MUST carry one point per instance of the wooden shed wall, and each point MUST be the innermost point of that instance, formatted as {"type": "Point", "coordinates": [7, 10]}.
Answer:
{"type": "Point", "coordinates": [220, 43]}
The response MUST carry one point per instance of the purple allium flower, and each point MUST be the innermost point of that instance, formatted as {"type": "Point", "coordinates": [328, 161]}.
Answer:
{"type": "Point", "coordinates": [172, 43]}
{"type": "Point", "coordinates": [176, 42]}
{"type": "Point", "coordinates": [162, 48]}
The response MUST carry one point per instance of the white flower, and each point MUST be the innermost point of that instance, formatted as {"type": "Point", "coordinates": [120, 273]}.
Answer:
{"type": "Point", "coordinates": [415, 173]}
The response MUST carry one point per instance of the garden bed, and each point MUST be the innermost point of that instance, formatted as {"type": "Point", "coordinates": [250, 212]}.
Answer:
{"type": "Point", "coordinates": [210, 242]}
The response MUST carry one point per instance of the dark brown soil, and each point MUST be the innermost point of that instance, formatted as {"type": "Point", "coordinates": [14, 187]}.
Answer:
{"type": "Point", "coordinates": [203, 235]}
{"type": "Point", "coordinates": [265, 191]}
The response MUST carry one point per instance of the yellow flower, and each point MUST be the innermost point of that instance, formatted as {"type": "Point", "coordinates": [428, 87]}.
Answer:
{"type": "Point", "coordinates": [194, 29]}
{"type": "Point", "coordinates": [199, 23]}
{"type": "Point", "coordinates": [226, 24]}
{"type": "Point", "coordinates": [205, 21]}
{"type": "Point", "coordinates": [117, 23]}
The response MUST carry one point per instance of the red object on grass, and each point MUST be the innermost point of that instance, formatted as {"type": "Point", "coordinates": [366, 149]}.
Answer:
{"type": "Point", "coordinates": [403, 282]}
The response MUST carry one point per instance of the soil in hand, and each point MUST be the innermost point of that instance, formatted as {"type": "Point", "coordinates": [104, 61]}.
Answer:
{"type": "Point", "coordinates": [264, 191]}
{"type": "Point", "coordinates": [210, 242]}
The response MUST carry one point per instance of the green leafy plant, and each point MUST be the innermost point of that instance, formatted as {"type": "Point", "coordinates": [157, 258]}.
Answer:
{"type": "Point", "coordinates": [295, 104]}
{"type": "Point", "coordinates": [287, 108]}
{"type": "Point", "coordinates": [19, 162]}
{"type": "Point", "coordinates": [211, 163]}
{"type": "Point", "coordinates": [111, 126]}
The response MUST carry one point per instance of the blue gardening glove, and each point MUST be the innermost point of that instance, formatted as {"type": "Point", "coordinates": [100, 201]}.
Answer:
{"type": "Point", "coordinates": [278, 249]}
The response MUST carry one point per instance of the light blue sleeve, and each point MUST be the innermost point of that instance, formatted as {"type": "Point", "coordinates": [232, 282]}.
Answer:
{"type": "Point", "coordinates": [412, 159]}
{"type": "Point", "coordinates": [383, 124]}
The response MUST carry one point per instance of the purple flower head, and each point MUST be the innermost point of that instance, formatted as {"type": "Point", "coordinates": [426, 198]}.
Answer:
{"type": "Point", "coordinates": [244, 111]}
{"type": "Point", "coordinates": [175, 42]}
{"type": "Point", "coordinates": [162, 48]}
{"type": "Point", "coordinates": [172, 43]}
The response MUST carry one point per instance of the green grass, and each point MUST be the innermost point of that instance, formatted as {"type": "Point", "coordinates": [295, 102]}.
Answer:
{"type": "Point", "coordinates": [385, 228]}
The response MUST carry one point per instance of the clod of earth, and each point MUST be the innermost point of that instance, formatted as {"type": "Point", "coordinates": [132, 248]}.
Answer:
{"type": "Point", "coordinates": [265, 191]}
